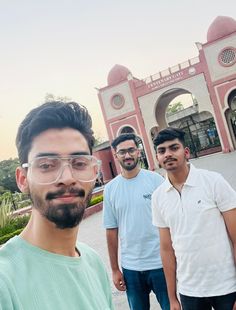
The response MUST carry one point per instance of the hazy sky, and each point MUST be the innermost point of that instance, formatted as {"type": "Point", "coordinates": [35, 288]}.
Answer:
{"type": "Point", "coordinates": [67, 48]}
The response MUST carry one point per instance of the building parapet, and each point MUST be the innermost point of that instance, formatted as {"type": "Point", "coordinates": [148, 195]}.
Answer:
{"type": "Point", "coordinates": [171, 70]}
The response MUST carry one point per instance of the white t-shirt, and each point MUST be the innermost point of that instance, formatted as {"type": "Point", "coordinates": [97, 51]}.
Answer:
{"type": "Point", "coordinates": [127, 206]}
{"type": "Point", "coordinates": [203, 250]}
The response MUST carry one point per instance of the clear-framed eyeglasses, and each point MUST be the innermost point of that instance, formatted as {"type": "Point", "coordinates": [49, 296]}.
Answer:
{"type": "Point", "coordinates": [132, 151]}
{"type": "Point", "coordinates": [48, 169]}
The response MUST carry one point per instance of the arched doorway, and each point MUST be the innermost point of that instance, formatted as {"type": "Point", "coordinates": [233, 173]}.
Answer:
{"type": "Point", "coordinates": [143, 157]}
{"type": "Point", "coordinates": [231, 116]}
{"type": "Point", "coordinates": [127, 129]}
{"type": "Point", "coordinates": [178, 108]}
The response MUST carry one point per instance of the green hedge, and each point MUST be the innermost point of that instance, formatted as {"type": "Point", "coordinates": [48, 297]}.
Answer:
{"type": "Point", "coordinates": [14, 228]}
{"type": "Point", "coordinates": [6, 237]}
{"type": "Point", "coordinates": [15, 224]}
{"type": "Point", "coordinates": [95, 200]}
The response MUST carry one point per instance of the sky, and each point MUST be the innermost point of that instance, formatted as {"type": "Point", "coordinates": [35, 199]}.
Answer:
{"type": "Point", "coordinates": [67, 48]}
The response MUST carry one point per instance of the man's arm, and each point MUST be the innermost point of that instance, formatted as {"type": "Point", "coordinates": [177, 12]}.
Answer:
{"type": "Point", "coordinates": [230, 223]}
{"type": "Point", "coordinates": [169, 265]}
{"type": "Point", "coordinates": [112, 243]}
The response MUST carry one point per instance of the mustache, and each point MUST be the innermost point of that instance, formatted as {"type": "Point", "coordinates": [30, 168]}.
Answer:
{"type": "Point", "coordinates": [168, 160]}
{"type": "Point", "coordinates": [128, 159]}
{"type": "Point", "coordinates": [74, 191]}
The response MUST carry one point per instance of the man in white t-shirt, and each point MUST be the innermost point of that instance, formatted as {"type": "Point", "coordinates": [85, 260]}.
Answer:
{"type": "Point", "coordinates": [195, 211]}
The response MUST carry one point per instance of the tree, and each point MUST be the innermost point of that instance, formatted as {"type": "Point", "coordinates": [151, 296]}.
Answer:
{"type": "Point", "coordinates": [98, 140]}
{"type": "Point", "coordinates": [175, 107]}
{"type": "Point", "coordinates": [7, 175]}
{"type": "Point", "coordinates": [50, 97]}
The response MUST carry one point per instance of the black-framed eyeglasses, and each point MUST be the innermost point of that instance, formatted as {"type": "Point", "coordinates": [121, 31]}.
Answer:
{"type": "Point", "coordinates": [48, 169]}
{"type": "Point", "coordinates": [131, 151]}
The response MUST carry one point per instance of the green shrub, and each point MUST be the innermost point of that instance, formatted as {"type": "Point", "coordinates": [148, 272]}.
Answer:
{"type": "Point", "coordinates": [23, 204]}
{"type": "Point", "coordinates": [15, 200]}
{"type": "Point", "coordinates": [13, 228]}
{"type": "Point", "coordinates": [5, 238]}
{"type": "Point", "coordinates": [95, 200]}
{"type": "Point", "coordinates": [5, 196]}
{"type": "Point", "coordinates": [14, 224]}
{"type": "Point", "coordinates": [5, 212]}
{"type": "Point", "coordinates": [21, 200]}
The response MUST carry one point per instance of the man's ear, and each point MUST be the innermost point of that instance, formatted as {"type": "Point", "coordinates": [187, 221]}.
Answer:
{"type": "Point", "coordinates": [158, 161]}
{"type": "Point", "coordinates": [187, 153]}
{"type": "Point", "coordinates": [114, 153]}
{"type": "Point", "coordinates": [157, 157]}
{"type": "Point", "coordinates": [21, 180]}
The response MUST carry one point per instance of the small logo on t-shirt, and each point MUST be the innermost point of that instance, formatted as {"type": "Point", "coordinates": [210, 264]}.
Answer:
{"type": "Point", "coordinates": [147, 196]}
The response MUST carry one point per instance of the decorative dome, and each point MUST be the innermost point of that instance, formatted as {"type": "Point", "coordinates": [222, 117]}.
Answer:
{"type": "Point", "coordinates": [117, 74]}
{"type": "Point", "coordinates": [221, 27]}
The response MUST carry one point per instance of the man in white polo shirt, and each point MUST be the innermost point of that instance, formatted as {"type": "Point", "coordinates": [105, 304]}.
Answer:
{"type": "Point", "coordinates": [195, 211]}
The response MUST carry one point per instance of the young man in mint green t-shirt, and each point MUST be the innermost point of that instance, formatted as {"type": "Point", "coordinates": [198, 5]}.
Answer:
{"type": "Point", "coordinates": [45, 268]}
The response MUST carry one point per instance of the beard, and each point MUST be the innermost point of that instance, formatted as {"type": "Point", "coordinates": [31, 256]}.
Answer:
{"type": "Point", "coordinates": [130, 166]}
{"type": "Point", "coordinates": [62, 215]}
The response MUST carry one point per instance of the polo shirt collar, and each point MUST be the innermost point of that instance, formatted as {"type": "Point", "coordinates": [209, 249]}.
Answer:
{"type": "Point", "coordinates": [191, 179]}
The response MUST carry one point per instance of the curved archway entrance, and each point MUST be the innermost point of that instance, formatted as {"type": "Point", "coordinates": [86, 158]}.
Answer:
{"type": "Point", "coordinates": [179, 108]}
{"type": "Point", "coordinates": [127, 129]}
{"type": "Point", "coordinates": [230, 115]}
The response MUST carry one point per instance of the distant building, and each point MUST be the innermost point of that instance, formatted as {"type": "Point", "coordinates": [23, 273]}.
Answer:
{"type": "Point", "coordinates": [137, 105]}
{"type": "Point", "coordinates": [108, 168]}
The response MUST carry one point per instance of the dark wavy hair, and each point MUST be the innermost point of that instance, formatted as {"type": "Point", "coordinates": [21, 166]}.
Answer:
{"type": "Point", "coordinates": [169, 134]}
{"type": "Point", "coordinates": [53, 114]}
{"type": "Point", "coordinates": [124, 137]}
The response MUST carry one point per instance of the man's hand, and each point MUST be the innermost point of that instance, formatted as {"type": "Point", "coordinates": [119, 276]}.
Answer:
{"type": "Point", "coordinates": [175, 305]}
{"type": "Point", "coordinates": [234, 307]}
{"type": "Point", "coordinates": [118, 280]}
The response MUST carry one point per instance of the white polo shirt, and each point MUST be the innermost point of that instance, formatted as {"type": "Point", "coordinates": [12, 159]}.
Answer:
{"type": "Point", "coordinates": [203, 250]}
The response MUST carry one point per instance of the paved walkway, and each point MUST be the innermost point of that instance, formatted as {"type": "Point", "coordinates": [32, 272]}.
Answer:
{"type": "Point", "coordinates": [222, 163]}
{"type": "Point", "coordinates": [92, 233]}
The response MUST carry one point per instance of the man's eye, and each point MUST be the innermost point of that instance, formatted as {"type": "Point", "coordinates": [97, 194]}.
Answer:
{"type": "Point", "coordinates": [79, 164]}
{"type": "Point", "coordinates": [45, 166]}
{"type": "Point", "coordinates": [174, 148]}
{"type": "Point", "coordinates": [160, 151]}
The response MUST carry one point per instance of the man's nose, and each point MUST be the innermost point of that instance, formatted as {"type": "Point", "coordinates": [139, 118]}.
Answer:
{"type": "Point", "coordinates": [168, 152]}
{"type": "Point", "coordinates": [127, 154]}
{"type": "Point", "coordinates": [66, 175]}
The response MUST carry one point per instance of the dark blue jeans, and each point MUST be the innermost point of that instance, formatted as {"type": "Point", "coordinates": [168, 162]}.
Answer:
{"type": "Point", "coordinates": [224, 302]}
{"type": "Point", "coordinates": [139, 284]}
